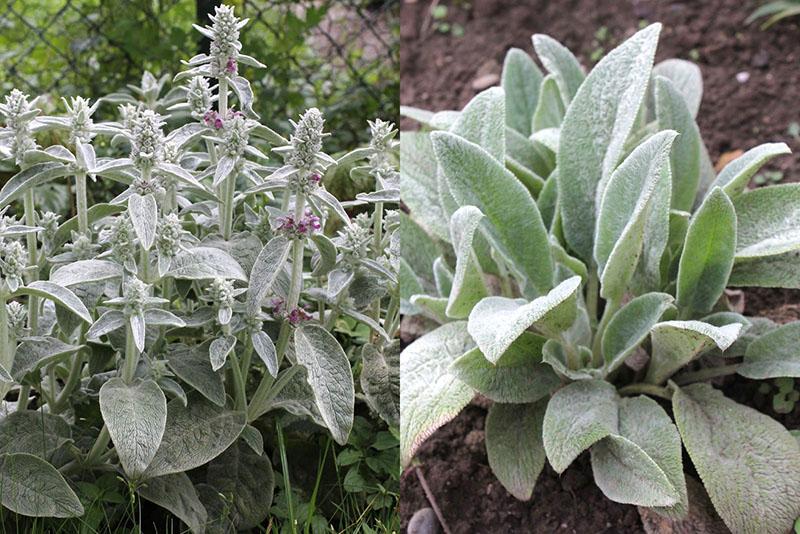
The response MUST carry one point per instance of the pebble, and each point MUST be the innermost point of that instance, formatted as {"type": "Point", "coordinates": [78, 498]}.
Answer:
{"type": "Point", "coordinates": [484, 82]}
{"type": "Point", "coordinates": [743, 76]}
{"type": "Point", "coordinates": [424, 521]}
{"type": "Point", "coordinates": [760, 59]}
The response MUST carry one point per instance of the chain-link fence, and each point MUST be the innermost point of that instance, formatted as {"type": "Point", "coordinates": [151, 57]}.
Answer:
{"type": "Point", "coordinates": [341, 56]}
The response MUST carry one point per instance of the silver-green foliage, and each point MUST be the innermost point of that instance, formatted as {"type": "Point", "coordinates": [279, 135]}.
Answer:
{"type": "Point", "coordinates": [592, 270]}
{"type": "Point", "coordinates": [225, 262]}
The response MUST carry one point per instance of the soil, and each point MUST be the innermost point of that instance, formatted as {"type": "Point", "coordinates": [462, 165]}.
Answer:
{"type": "Point", "coordinates": [440, 70]}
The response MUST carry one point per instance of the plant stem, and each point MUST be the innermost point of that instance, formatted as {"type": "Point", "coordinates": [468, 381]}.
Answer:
{"type": "Point", "coordinates": [33, 262]}
{"type": "Point", "coordinates": [238, 383]}
{"type": "Point", "coordinates": [131, 355]}
{"type": "Point", "coordinates": [6, 357]}
{"type": "Point", "coordinates": [597, 346]}
{"type": "Point", "coordinates": [298, 246]}
{"type": "Point", "coordinates": [262, 394]}
{"type": "Point", "coordinates": [647, 389]}
{"type": "Point", "coordinates": [22, 401]}
{"type": "Point", "coordinates": [80, 203]}
{"type": "Point", "coordinates": [376, 246]}
{"type": "Point", "coordinates": [287, 485]}
{"type": "Point", "coordinates": [706, 374]}
{"type": "Point", "coordinates": [591, 295]}
{"type": "Point", "coordinates": [248, 355]}
{"type": "Point", "coordinates": [99, 446]}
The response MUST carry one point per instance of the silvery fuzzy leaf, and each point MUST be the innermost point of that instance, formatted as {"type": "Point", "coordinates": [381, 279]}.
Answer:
{"type": "Point", "coordinates": [521, 81]}
{"type": "Point", "coordinates": [325, 258]}
{"type": "Point", "coordinates": [330, 378]}
{"type": "Point", "coordinates": [468, 287]}
{"type": "Point", "coordinates": [380, 380]}
{"type": "Point", "coordinates": [58, 294]}
{"type": "Point", "coordinates": [686, 78]}
{"type": "Point", "coordinates": [355, 155]}
{"type": "Point", "coordinates": [33, 487]}
{"type": "Point", "coordinates": [767, 222]}
{"type": "Point", "coordinates": [224, 168]}
{"type": "Point", "coordinates": [40, 434]}
{"type": "Point", "coordinates": [623, 220]}
{"type": "Point", "coordinates": [419, 183]}
{"type": "Point", "coordinates": [218, 351]}
{"type": "Point", "coordinates": [244, 93]}
{"type": "Point", "coordinates": [418, 248]}
{"type": "Point", "coordinates": [192, 365]}
{"type": "Point", "coordinates": [138, 330]}
{"type": "Point", "coordinates": [94, 214]}
{"type": "Point", "coordinates": [432, 307]}
{"type": "Point", "coordinates": [561, 63]}
{"type": "Point", "coordinates": [332, 203]}
{"type": "Point", "coordinates": [443, 277]}
{"type": "Point", "coordinates": [482, 122]}
{"type": "Point", "coordinates": [495, 322]}
{"type": "Point", "coordinates": [19, 230]}
{"type": "Point", "coordinates": [194, 435]}
{"type": "Point", "coordinates": [749, 463]}
{"type": "Point", "coordinates": [550, 109]}
{"type": "Point", "coordinates": [265, 349]}
{"type": "Point", "coordinates": [55, 153]}
{"type": "Point", "coordinates": [176, 494]}
{"type": "Point", "coordinates": [32, 177]}
{"type": "Point", "coordinates": [296, 396]}
{"type": "Point", "coordinates": [384, 195]}
{"type": "Point", "coordinates": [431, 394]}
{"type": "Point", "coordinates": [85, 271]}
{"type": "Point", "coordinates": [338, 281]}
{"type": "Point", "coordinates": [774, 354]}
{"type": "Point", "coordinates": [173, 390]}
{"type": "Point", "coordinates": [36, 352]}
{"type": "Point", "coordinates": [224, 315]}
{"type": "Point", "coordinates": [676, 343]}
{"type": "Point", "coordinates": [244, 247]}
{"type": "Point", "coordinates": [528, 161]}
{"type": "Point", "coordinates": [270, 135]}
{"type": "Point", "coordinates": [253, 438]}
{"type": "Point", "coordinates": [135, 415]}
{"type": "Point", "coordinates": [143, 212]}
{"type": "Point", "coordinates": [555, 355]}
{"type": "Point", "coordinates": [181, 174]}
{"type": "Point", "coordinates": [86, 158]}
{"type": "Point", "coordinates": [379, 269]}
{"type": "Point", "coordinates": [514, 446]}
{"type": "Point", "coordinates": [594, 131]}
{"type": "Point", "coordinates": [205, 263]}
{"type": "Point", "coordinates": [267, 268]}
{"type": "Point", "coordinates": [164, 265]}
{"type": "Point", "coordinates": [250, 61]}
{"type": "Point", "coordinates": [735, 176]}
{"type": "Point", "coordinates": [156, 317]}
{"type": "Point", "coordinates": [367, 320]}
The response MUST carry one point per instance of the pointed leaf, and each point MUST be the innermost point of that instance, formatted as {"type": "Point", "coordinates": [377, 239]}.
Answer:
{"type": "Point", "coordinates": [265, 349]}
{"type": "Point", "coordinates": [468, 287]}
{"type": "Point", "coordinates": [36, 352]}
{"type": "Point", "coordinates": [482, 122]}
{"type": "Point", "coordinates": [218, 351]}
{"type": "Point", "coordinates": [192, 365]}
{"type": "Point", "coordinates": [206, 263]}
{"type": "Point", "coordinates": [521, 81]}
{"type": "Point", "coordinates": [686, 77]}
{"type": "Point", "coordinates": [768, 221]}
{"type": "Point", "coordinates": [176, 494]}
{"type": "Point", "coordinates": [35, 433]}
{"type": "Point", "coordinates": [32, 177]}
{"type": "Point", "coordinates": [35, 488]}
{"type": "Point", "coordinates": [60, 295]}
{"type": "Point", "coordinates": [268, 266]}
{"type": "Point", "coordinates": [561, 63]}
{"type": "Point", "coordinates": [774, 354]}
{"type": "Point", "coordinates": [380, 380]}
{"type": "Point", "coordinates": [629, 327]}
{"type": "Point", "coordinates": [550, 109]}
{"type": "Point", "coordinates": [143, 212]}
{"type": "Point", "coordinates": [85, 271]}
{"type": "Point", "coordinates": [418, 183]}
{"type": "Point", "coordinates": [736, 175]}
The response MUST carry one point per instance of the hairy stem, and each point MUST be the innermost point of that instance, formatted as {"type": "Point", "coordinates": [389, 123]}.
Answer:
{"type": "Point", "coordinates": [261, 397]}
{"type": "Point", "coordinates": [597, 346]}
{"type": "Point", "coordinates": [99, 447]}
{"type": "Point", "coordinates": [80, 203]}
{"type": "Point", "coordinates": [591, 296]}
{"type": "Point", "coordinates": [131, 355]}
{"type": "Point", "coordinates": [646, 389]}
{"type": "Point", "coordinates": [702, 375]}
{"type": "Point", "coordinates": [33, 261]}
{"type": "Point", "coordinates": [238, 383]}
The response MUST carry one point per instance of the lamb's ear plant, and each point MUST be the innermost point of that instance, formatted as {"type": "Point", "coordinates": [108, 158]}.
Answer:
{"type": "Point", "coordinates": [224, 258]}
{"type": "Point", "coordinates": [570, 235]}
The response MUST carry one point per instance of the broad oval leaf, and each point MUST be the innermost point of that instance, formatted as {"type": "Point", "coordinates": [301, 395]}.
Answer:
{"type": "Point", "coordinates": [749, 463]}
{"type": "Point", "coordinates": [594, 132]}
{"type": "Point", "coordinates": [135, 415]}
{"type": "Point", "coordinates": [36, 352]}
{"type": "Point", "coordinates": [482, 122]}
{"type": "Point", "coordinates": [495, 322]}
{"type": "Point", "coordinates": [578, 416]}
{"type": "Point", "coordinates": [205, 263]}
{"type": "Point", "coordinates": [143, 212]}
{"type": "Point", "coordinates": [687, 79]}
{"type": "Point", "coordinates": [768, 221]}
{"type": "Point", "coordinates": [192, 365]}
{"type": "Point", "coordinates": [736, 175]}
{"type": "Point", "coordinates": [561, 63]}
{"type": "Point", "coordinates": [35, 433]}
{"type": "Point", "coordinates": [32, 177]}
{"type": "Point", "coordinates": [467, 287]}
{"type": "Point", "coordinates": [707, 258]}
{"type": "Point", "coordinates": [86, 271]}
{"type": "Point", "coordinates": [58, 294]}
{"type": "Point", "coordinates": [177, 494]}
{"type": "Point", "coordinates": [35, 488]}
{"type": "Point", "coordinates": [521, 81]}
{"type": "Point", "coordinates": [380, 380]}
{"type": "Point", "coordinates": [431, 395]}
{"type": "Point", "coordinates": [514, 445]}
{"type": "Point", "coordinates": [265, 271]}
{"type": "Point", "coordinates": [330, 378]}
{"type": "Point", "coordinates": [774, 354]}
{"type": "Point", "coordinates": [550, 109]}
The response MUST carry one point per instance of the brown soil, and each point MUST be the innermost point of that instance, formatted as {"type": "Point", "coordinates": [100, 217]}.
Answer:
{"type": "Point", "coordinates": [437, 72]}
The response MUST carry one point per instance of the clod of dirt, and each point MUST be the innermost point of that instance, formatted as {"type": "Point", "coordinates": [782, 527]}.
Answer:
{"type": "Point", "coordinates": [424, 521]}
{"type": "Point", "coordinates": [702, 518]}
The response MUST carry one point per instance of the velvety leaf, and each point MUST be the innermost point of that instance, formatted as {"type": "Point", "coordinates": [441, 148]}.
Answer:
{"type": "Point", "coordinates": [707, 258]}
{"type": "Point", "coordinates": [326, 255]}
{"type": "Point", "coordinates": [774, 354]}
{"type": "Point", "coordinates": [554, 353]}
{"type": "Point", "coordinates": [33, 176]}
{"type": "Point", "coordinates": [33, 432]}
{"type": "Point", "coordinates": [561, 63]}
{"type": "Point", "coordinates": [495, 322]}
{"type": "Point", "coordinates": [676, 343]}
{"type": "Point", "coordinates": [482, 122]}
{"type": "Point", "coordinates": [686, 78]}
{"type": "Point", "coordinates": [192, 365]}
{"type": "Point", "coordinates": [443, 277]}
{"type": "Point", "coordinates": [431, 395]}
{"type": "Point", "coordinates": [514, 445]}
{"type": "Point", "coordinates": [330, 378]}
{"type": "Point", "coordinates": [629, 327]}
{"type": "Point", "coordinates": [476, 179]}
{"type": "Point", "coordinates": [578, 416]}
{"type": "Point", "coordinates": [550, 109]}
{"type": "Point", "coordinates": [623, 216]}
{"type": "Point", "coordinates": [194, 435]}
{"type": "Point", "coordinates": [768, 221]}
{"type": "Point", "coordinates": [205, 263]}
{"type": "Point", "coordinates": [36, 352]}
{"type": "Point", "coordinates": [736, 175]}
{"type": "Point", "coordinates": [219, 350]}
{"type": "Point", "coordinates": [673, 113]}
{"type": "Point", "coordinates": [176, 494]}
{"type": "Point", "coordinates": [594, 131]}
{"type": "Point", "coordinates": [156, 317]}
{"type": "Point", "coordinates": [35, 488]}
{"type": "Point", "coordinates": [749, 463]}
{"type": "Point", "coordinates": [519, 376]}
{"type": "Point", "coordinates": [767, 271]}
{"type": "Point", "coordinates": [143, 212]}
{"type": "Point", "coordinates": [85, 271]}
{"type": "Point", "coordinates": [521, 81]}
{"type": "Point", "coordinates": [418, 248]}
{"type": "Point", "coordinates": [468, 287]}
{"type": "Point", "coordinates": [418, 184]}
{"type": "Point", "coordinates": [265, 349]}
{"type": "Point", "coordinates": [380, 380]}
{"type": "Point", "coordinates": [59, 295]}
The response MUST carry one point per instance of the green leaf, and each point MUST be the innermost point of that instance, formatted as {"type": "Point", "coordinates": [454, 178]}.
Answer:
{"type": "Point", "coordinates": [495, 322]}
{"type": "Point", "coordinates": [673, 114]}
{"type": "Point", "coordinates": [194, 435]}
{"type": "Point", "coordinates": [767, 271]}
{"type": "Point", "coordinates": [192, 365]}
{"type": "Point", "coordinates": [774, 354]}
{"type": "Point", "coordinates": [482, 122]}
{"type": "Point", "coordinates": [418, 183]}
{"type": "Point", "coordinates": [514, 445]}
{"type": "Point", "coordinates": [550, 109]}
{"type": "Point", "coordinates": [268, 266]}
{"type": "Point", "coordinates": [36, 352]}
{"type": "Point", "coordinates": [85, 271]}
{"type": "Point", "coordinates": [205, 263]}
{"type": "Point", "coordinates": [418, 248]}
{"type": "Point", "coordinates": [135, 415]}
{"type": "Point", "coordinates": [143, 212]}
{"type": "Point", "coordinates": [676, 343]}
{"type": "Point", "coordinates": [749, 463]}
{"type": "Point", "coordinates": [623, 217]}
{"type": "Point", "coordinates": [326, 255]}
{"type": "Point", "coordinates": [246, 478]}
{"type": "Point", "coordinates": [265, 349]}
{"type": "Point", "coordinates": [32, 177]}
{"type": "Point", "coordinates": [594, 131]}
{"type": "Point", "coordinates": [431, 395]}
{"type": "Point", "coordinates": [578, 416]}
{"type": "Point", "coordinates": [476, 179]}
{"type": "Point", "coordinates": [707, 258]}
{"type": "Point", "coordinates": [35, 433]}
{"type": "Point", "coordinates": [528, 161]}
{"type": "Point", "coordinates": [629, 327]}
{"type": "Point", "coordinates": [468, 287]}
{"type": "Point", "coordinates": [176, 494]}
{"type": "Point", "coordinates": [521, 80]}
{"type": "Point", "coordinates": [93, 214]}
{"type": "Point", "coordinates": [641, 463]}
{"type": "Point", "coordinates": [34, 488]}
{"type": "Point", "coordinates": [561, 63]}
{"type": "Point", "coordinates": [219, 350]}
{"type": "Point", "coordinates": [60, 295]}
{"type": "Point", "coordinates": [443, 277]}
{"type": "Point", "coordinates": [519, 376]}
{"type": "Point", "coordinates": [767, 221]}
{"type": "Point", "coordinates": [736, 175]}
{"type": "Point", "coordinates": [329, 376]}
{"type": "Point", "coordinates": [555, 354]}
{"type": "Point", "coordinates": [380, 380]}
{"type": "Point", "coordinates": [686, 78]}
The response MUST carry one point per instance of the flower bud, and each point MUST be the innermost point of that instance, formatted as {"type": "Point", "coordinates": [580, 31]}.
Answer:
{"type": "Point", "coordinates": [306, 140]}
{"type": "Point", "coordinates": [135, 293]}
{"type": "Point", "coordinates": [13, 263]}
{"type": "Point", "coordinates": [17, 315]}
{"type": "Point", "coordinates": [148, 139]}
{"type": "Point", "coordinates": [225, 43]}
{"type": "Point", "coordinates": [121, 238]}
{"type": "Point", "coordinates": [17, 113]}
{"type": "Point", "coordinates": [198, 95]}
{"type": "Point", "coordinates": [235, 135]}
{"type": "Point", "coordinates": [354, 240]}
{"type": "Point", "coordinates": [80, 119]}
{"type": "Point", "coordinates": [169, 234]}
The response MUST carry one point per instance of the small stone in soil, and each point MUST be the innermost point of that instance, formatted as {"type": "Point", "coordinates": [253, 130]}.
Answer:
{"type": "Point", "coordinates": [424, 521]}
{"type": "Point", "coordinates": [743, 76]}
{"type": "Point", "coordinates": [760, 59]}
{"type": "Point", "coordinates": [485, 81]}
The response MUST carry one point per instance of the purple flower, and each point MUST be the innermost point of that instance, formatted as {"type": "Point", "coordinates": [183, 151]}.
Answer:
{"type": "Point", "coordinates": [297, 316]}
{"type": "Point", "coordinates": [230, 66]}
{"type": "Point", "coordinates": [212, 118]}
{"type": "Point", "coordinates": [315, 178]}
{"type": "Point", "coordinates": [277, 305]}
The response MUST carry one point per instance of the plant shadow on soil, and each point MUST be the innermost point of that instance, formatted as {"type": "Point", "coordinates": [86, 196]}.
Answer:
{"type": "Point", "coordinates": [438, 71]}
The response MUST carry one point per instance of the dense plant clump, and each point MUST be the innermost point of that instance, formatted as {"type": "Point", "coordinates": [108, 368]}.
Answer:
{"type": "Point", "coordinates": [571, 237]}
{"type": "Point", "coordinates": [129, 333]}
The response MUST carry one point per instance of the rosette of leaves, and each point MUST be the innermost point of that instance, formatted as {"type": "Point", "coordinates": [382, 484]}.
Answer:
{"type": "Point", "coordinates": [572, 239]}
{"type": "Point", "coordinates": [131, 332]}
